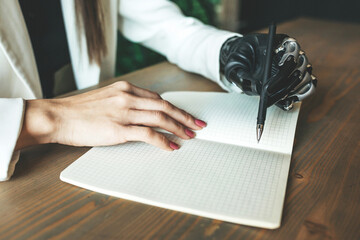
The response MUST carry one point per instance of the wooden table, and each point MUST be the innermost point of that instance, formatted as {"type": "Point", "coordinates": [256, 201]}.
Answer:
{"type": "Point", "coordinates": [323, 193]}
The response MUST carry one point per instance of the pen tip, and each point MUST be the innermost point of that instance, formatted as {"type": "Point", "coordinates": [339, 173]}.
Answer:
{"type": "Point", "coordinates": [259, 131]}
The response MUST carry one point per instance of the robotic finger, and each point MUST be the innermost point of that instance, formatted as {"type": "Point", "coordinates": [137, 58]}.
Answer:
{"type": "Point", "coordinates": [306, 90]}
{"type": "Point", "coordinates": [300, 83]}
{"type": "Point", "coordinates": [302, 92]}
{"type": "Point", "coordinates": [290, 49]}
{"type": "Point", "coordinates": [291, 66]}
{"type": "Point", "coordinates": [291, 69]}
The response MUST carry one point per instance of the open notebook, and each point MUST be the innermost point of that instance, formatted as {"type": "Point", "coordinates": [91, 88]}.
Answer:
{"type": "Point", "coordinates": [223, 173]}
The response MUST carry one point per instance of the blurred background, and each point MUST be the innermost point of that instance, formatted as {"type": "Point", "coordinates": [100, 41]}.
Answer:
{"type": "Point", "coordinates": [241, 16]}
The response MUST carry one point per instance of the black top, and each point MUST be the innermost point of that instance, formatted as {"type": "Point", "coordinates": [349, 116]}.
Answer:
{"type": "Point", "coordinates": [45, 24]}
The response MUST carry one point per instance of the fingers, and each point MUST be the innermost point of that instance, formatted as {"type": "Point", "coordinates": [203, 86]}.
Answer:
{"type": "Point", "coordinates": [297, 77]}
{"type": "Point", "coordinates": [175, 113]}
{"type": "Point", "coordinates": [294, 73]}
{"type": "Point", "coordinates": [304, 87]}
{"type": "Point", "coordinates": [291, 49]}
{"type": "Point", "coordinates": [146, 108]}
{"type": "Point", "coordinates": [305, 71]}
{"type": "Point", "coordinates": [305, 90]}
{"type": "Point", "coordinates": [161, 120]}
{"type": "Point", "coordinates": [132, 102]}
{"type": "Point", "coordinates": [306, 78]}
{"type": "Point", "coordinates": [150, 136]}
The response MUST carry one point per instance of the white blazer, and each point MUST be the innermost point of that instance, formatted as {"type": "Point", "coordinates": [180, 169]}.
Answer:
{"type": "Point", "coordinates": [157, 24]}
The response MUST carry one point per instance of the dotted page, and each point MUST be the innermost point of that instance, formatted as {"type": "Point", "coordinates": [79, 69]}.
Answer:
{"type": "Point", "coordinates": [231, 119]}
{"type": "Point", "coordinates": [223, 174]}
{"type": "Point", "coordinates": [215, 180]}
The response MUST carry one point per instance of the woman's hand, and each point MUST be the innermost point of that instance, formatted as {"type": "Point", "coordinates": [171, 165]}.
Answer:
{"type": "Point", "coordinates": [111, 115]}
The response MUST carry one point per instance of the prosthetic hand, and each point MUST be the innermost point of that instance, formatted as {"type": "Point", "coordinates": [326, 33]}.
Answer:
{"type": "Point", "coordinates": [242, 61]}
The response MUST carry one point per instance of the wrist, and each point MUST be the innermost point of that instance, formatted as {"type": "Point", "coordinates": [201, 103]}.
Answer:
{"type": "Point", "coordinates": [225, 51]}
{"type": "Point", "coordinates": [39, 123]}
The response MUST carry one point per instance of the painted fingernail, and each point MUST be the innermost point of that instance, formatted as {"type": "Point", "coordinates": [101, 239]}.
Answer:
{"type": "Point", "coordinates": [174, 146]}
{"type": "Point", "coordinates": [200, 123]}
{"type": "Point", "coordinates": [189, 133]}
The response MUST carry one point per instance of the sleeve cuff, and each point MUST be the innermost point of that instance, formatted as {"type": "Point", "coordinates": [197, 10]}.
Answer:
{"type": "Point", "coordinates": [218, 40]}
{"type": "Point", "coordinates": [228, 86]}
{"type": "Point", "coordinates": [12, 111]}
{"type": "Point", "coordinates": [11, 167]}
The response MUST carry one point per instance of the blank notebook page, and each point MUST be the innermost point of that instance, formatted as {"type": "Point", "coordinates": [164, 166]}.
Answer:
{"type": "Point", "coordinates": [221, 181]}
{"type": "Point", "coordinates": [233, 183]}
{"type": "Point", "coordinates": [231, 118]}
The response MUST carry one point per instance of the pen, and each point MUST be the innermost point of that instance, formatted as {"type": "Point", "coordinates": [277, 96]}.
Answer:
{"type": "Point", "coordinates": [267, 74]}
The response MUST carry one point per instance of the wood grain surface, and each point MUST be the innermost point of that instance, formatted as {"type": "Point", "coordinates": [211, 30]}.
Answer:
{"type": "Point", "coordinates": [323, 192]}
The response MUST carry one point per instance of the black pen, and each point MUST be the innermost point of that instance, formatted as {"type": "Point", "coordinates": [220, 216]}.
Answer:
{"type": "Point", "coordinates": [267, 74]}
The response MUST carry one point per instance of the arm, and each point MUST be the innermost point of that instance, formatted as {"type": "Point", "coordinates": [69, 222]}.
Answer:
{"type": "Point", "coordinates": [185, 41]}
{"type": "Point", "coordinates": [111, 115]}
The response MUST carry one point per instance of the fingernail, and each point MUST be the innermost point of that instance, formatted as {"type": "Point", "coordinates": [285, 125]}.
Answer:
{"type": "Point", "coordinates": [189, 133]}
{"type": "Point", "coordinates": [174, 146]}
{"type": "Point", "coordinates": [200, 123]}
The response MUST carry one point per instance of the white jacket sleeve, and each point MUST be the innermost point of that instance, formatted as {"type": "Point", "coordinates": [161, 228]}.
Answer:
{"type": "Point", "coordinates": [185, 41]}
{"type": "Point", "coordinates": [11, 117]}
